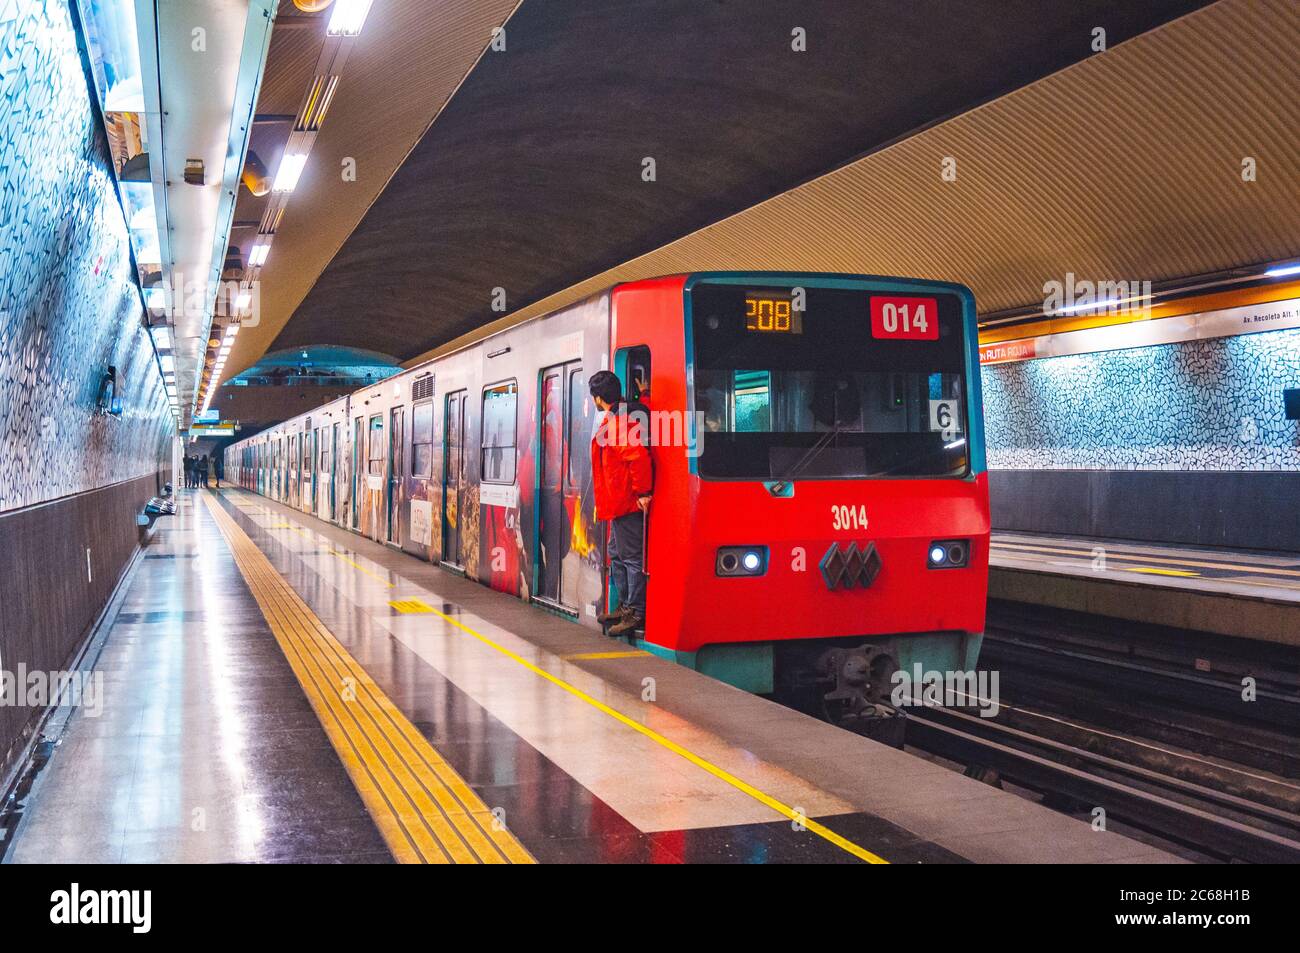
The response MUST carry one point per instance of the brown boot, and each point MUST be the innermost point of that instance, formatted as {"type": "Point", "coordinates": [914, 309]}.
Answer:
{"type": "Point", "coordinates": [629, 624]}
{"type": "Point", "coordinates": [607, 618]}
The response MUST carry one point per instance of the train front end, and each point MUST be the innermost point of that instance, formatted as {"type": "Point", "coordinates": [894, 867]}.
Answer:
{"type": "Point", "coordinates": [828, 525]}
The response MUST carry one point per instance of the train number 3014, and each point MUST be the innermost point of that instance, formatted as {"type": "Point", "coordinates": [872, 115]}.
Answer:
{"type": "Point", "coordinates": [848, 517]}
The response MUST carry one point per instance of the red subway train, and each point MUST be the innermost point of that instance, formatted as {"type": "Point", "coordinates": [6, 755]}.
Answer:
{"type": "Point", "coordinates": [820, 516]}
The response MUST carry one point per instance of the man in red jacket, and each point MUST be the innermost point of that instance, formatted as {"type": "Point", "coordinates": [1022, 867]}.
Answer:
{"type": "Point", "coordinates": [622, 479]}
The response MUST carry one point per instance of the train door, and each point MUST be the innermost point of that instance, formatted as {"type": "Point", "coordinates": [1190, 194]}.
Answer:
{"type": "Point", "coordinates": [453, 479]}
{"type": "Point", "coordinates": [308, 500]}
{"type": "Point", "coordinates": [396, 438]}
{"type": "Point", "coordinates": [295, 464]}
{"type": "Point", "coordinates": [373, 501]}
{"type": "Point", "coordinates": [321, 495]}
{"type": "Point", "coordinates": [335, 432]}
{"type": "Point", "coordinates": [358, 470]}
{"type": "Point", "coordinates": [558, 499]}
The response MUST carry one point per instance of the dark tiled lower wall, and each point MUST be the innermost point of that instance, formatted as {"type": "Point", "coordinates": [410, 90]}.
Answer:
{"type": "Point", "coordinates": [48, 601]}
{"type": "Point", "coordinates": [1246, 509]}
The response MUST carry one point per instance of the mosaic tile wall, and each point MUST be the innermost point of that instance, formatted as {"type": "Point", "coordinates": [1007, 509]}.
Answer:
{"type": "Point", "coordinates": [68, 308]}
{"type": "Point", "coordinates": [1202, 405]}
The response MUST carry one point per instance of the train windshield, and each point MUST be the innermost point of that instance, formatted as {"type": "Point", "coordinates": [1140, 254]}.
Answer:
{"type": "Point", "coordinates": [828, 383]}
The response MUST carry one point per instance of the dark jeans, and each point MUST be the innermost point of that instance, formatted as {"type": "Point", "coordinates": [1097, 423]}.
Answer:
{"type": "Point", "coordinates": [626, 547]}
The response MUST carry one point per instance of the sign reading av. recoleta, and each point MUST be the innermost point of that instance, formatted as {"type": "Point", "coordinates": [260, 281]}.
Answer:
{"type": "Point", "coordinates": [1248, 319]}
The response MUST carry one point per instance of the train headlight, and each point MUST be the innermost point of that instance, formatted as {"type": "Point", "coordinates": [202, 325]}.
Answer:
{"type": "Point", "coordinates": [949, 554]}
{"type": "Point", "coordinates": [741, 561]}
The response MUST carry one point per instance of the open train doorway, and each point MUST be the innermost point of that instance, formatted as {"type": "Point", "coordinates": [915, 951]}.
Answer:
{"type": "Point", "coordinates": [396, 472]}
{"type": "Point", "coordinates": [453, 480]}
{"type": "Point", "coordinates": [559, 490]}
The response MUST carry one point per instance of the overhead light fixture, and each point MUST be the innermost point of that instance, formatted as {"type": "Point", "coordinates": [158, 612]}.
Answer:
{"type": "Point", "coordinates": [348, 18]}
{"type": "Point", "coordinates": [1281, 271]}
{"type": "Point", "coordinates": [231, 331]}
{"type": "Point", "coordinates": [1108, 304]}
{"type": "Point", "coordinates": [291, 165]}
{"type": "Point", "coordinates": [244, 300]}
{"type": "Point", "coordinates": [319, 96]}
{"type": "Point", "coordinates": [162, 338]}
{"type": "Point", "coordinates": [257, 255]}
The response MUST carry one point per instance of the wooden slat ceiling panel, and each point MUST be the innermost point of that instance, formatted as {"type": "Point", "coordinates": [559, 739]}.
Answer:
{"type": "Point", "coordinates": [1125, 166]}
{"type": "Point", "coordinates": [404, 67]}
{"type": "Point", "coordinates": [530, 179]}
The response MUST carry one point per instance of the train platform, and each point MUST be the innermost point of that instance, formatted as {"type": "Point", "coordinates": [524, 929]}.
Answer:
{"type": "Point", "coordinates": [278, 688]}
{"type": "Point", "coordinates": [1245, 594]}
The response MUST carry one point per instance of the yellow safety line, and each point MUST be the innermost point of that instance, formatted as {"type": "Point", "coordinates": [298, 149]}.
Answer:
{"type": "Point", "coordinates": [423, 808]}
{"type": "Point", "coordinates": [826, 833]}
{"type": "Point", "coordinates": [1161, 572]}
{"type": "Point", "coordinates": [1148, 558]}
{"type": "Point", "coordinates": [720, 773]}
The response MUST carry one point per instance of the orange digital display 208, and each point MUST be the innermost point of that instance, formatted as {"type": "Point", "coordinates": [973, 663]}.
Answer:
{"type": "Point", "coordinates": [772, 313]}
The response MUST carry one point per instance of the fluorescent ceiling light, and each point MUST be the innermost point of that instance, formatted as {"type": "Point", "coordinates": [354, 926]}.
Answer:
{"type": "Point", "coordinates": [1282, 271]}
{"type": "Point", "coordinates": [257, 255]}
{"type": "Point", "coordinates": [348, 17]}
{"type": "Point", "coordinates": [162, 338]}
{"type": "Point", "coordinates": [286, 178]}
{"type": "Point", "coordinates": [1108, 304]}
{"type": "Point", "coordinates": [167, 364]}
{"type": "Point", "coordinates": [244, 300]}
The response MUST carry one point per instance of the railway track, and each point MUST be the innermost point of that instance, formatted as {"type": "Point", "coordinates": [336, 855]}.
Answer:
{"type": "Point", "coordinates": [1139, 728]}
{"type": "Point", "coordinates": [1222, 825]}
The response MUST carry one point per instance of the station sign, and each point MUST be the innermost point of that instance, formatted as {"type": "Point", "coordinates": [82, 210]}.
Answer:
{"type": "Point", "coordinates": [217, 428]}
{"type": "Point", "coordinates": [1203, 325]}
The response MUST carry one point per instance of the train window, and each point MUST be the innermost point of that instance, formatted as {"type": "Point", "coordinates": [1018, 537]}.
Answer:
{"type": "Point", "coordinates": [323, 441]}
{"type": "Point", "coordinates": [830, 401]}
{"type": "Point", "coordinates": [579, 423]}
{"type": "Point", "coordinates": [378, 452]}
{"type": "Point", "coordinates": [422, 440]}
{"type": "Point", "coordinates": [752, 407]}
{"type": "Point", "coordinates": [632, 364]}
{"type": "Point", "coordinates": [500, 404]}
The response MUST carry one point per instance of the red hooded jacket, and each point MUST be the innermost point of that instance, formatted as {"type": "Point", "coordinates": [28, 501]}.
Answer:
{"type": "Point", "coordinates": [620, 463]}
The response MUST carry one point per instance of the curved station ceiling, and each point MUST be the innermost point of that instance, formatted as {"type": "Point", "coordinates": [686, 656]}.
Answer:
{"type": "Point", "coordinates": [612, 142]}
{"type": "Point", "coordinates": [530, 172]}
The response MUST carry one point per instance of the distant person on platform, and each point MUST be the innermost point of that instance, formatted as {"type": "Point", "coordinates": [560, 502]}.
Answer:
{"type": "Point", "coordinates": [622, 478]}
{"type": "Point", "coordinates": [189, 472]}
{"type": "Point", "coordinates": [218, 467]}
{"type": "Point", "coordinates": [203, 472]}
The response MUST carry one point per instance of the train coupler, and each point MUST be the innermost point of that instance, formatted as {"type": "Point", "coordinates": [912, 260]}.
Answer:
{"type": "Point", "coordinates": [860, 681]}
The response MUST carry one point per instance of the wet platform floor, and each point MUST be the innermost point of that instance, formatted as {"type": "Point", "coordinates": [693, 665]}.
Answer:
{"type": "Point", "coordinates": [209, 749]}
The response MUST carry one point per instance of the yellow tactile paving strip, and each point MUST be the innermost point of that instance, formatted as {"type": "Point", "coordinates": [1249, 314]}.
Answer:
{"type": "Point", "coordinates": [422, 807]}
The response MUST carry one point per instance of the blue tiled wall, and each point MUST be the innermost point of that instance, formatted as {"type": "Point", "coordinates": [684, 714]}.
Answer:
{"type": "Point", "coordinates": [1208, 405]}
{"type": "Point", "coordinates": [68, 307]}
